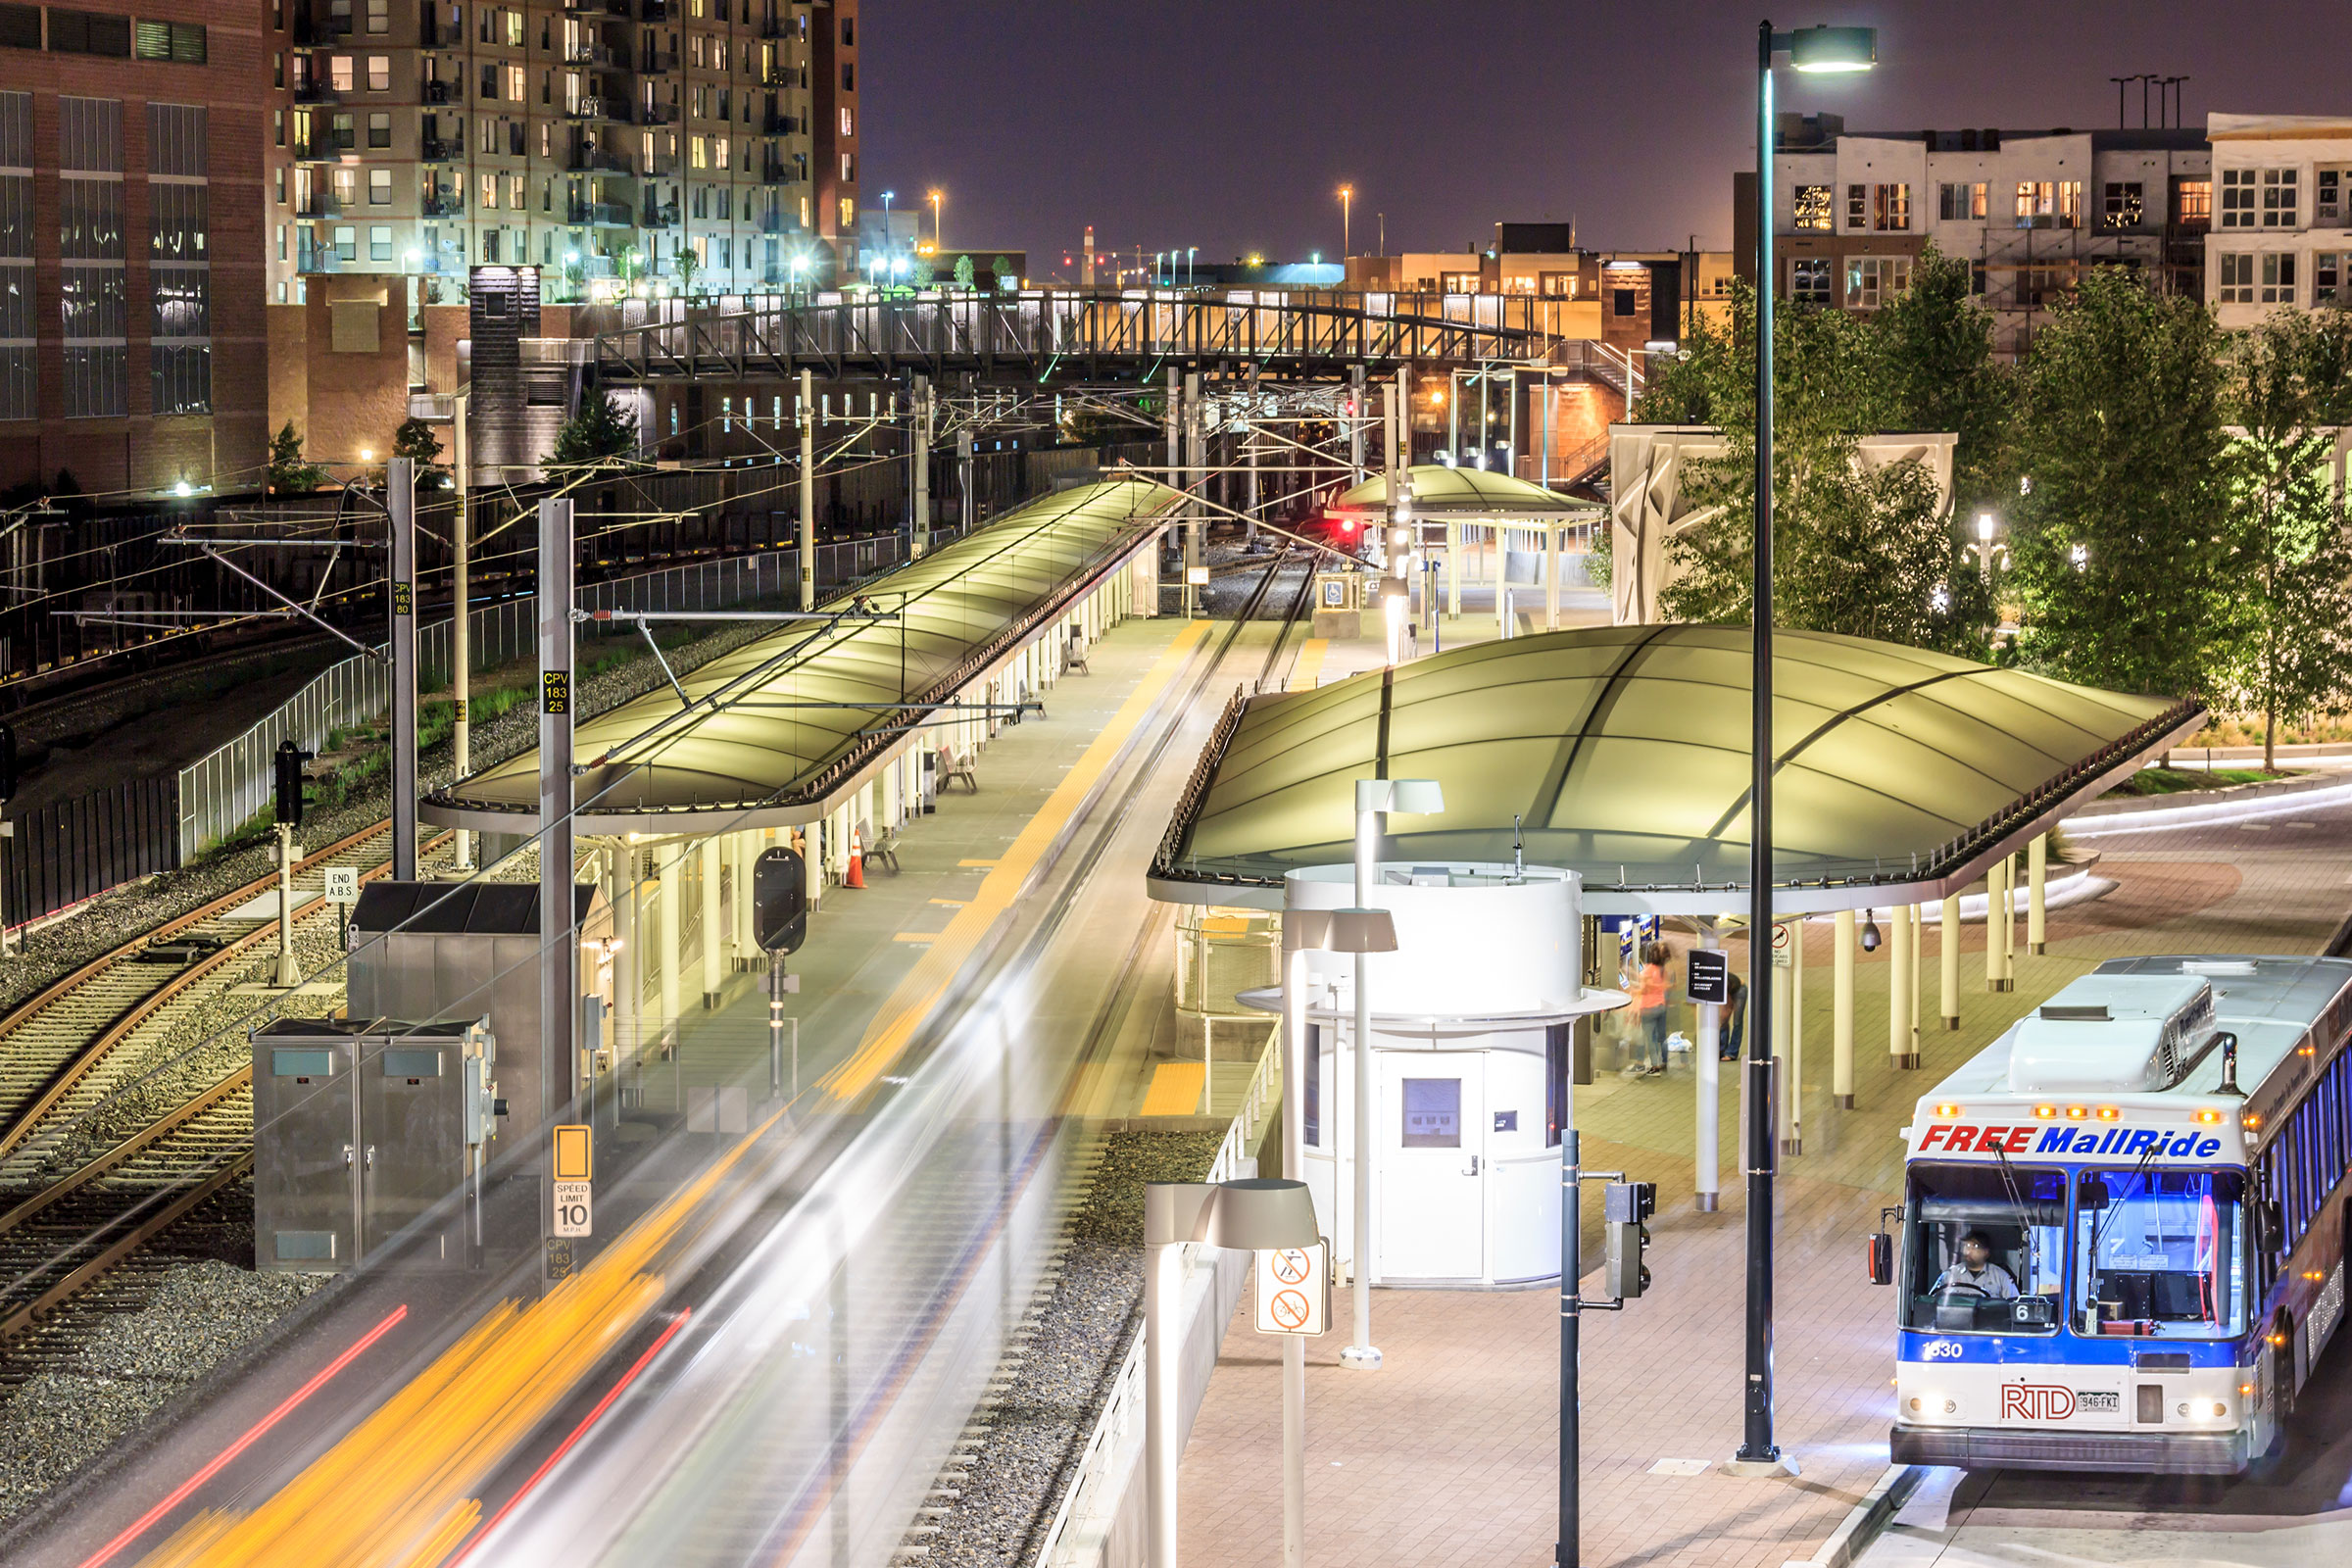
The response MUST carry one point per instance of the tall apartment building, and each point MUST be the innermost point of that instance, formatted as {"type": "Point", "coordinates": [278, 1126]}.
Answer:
{"type": "Point", "coordinates": [592, 138]}
{"type": "Point", "coordinates": [132, 337]}
{"type": "Point", "coordinates": [2026, 209]}
{"type": "Point", "coordinates": [2282, 234]}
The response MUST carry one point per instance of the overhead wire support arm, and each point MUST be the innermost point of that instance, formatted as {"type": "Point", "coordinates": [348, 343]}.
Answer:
{"type": "Point", "coordinates": [298, 607]}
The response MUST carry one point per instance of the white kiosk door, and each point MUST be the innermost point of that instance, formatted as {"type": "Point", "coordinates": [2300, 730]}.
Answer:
{"type": "Point", "coordinates": [1431, 1208]}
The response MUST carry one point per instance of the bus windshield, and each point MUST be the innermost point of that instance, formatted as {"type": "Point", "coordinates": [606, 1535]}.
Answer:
{"type": "Point", "coordinates": [2157, 1252]}
{"type": "Point", "coordinates": [1986, 1249]}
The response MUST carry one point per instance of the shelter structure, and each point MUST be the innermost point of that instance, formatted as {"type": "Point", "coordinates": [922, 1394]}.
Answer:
{"type": "Point", "coordinates": [1475, 516]}
{"type": "Point", "coordinates": [1619, 756]}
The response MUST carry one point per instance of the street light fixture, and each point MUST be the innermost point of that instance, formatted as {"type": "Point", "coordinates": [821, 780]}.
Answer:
{"type": "Point", "coordinates": [1346, 213]}
{"type": "Point", "coordinates": [1813, 50]}
{"type": "Point", "coordinates": [937, 196]}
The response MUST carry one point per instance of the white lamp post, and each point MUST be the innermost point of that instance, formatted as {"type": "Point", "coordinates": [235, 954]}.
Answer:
{"type": "Point", "coordinates": [1364, 930]}
{"type": "Point", "coordinates": [1253, 1215]}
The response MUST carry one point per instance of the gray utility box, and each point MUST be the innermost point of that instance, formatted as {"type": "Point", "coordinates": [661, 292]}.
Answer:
{"type": "Point", "coordinates": [361, 1126]}
{"type": "Point", "coordinates": [442, 950]}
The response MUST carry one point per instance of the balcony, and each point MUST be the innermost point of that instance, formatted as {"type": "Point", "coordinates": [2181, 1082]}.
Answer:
{"type": "Point", "coordinates": [320, 149]}
{"type": "Point", "coordinates": [664, 215]}
{"type": "Point", "coordinates": [782, 125]}
{"type": "Point", "coordinates": [315, 91]}
{"type": "Point", "coordinates": [598, 8]}
{"type": "Point", "coordinates": [597, 56]}
{"type": "Point", "coordinates": [320, 259]}
{"type": "Point", "coordinates": [779, 74]}
{"type": "Point", "coordinates": [775, 27]}
{"type": "Point", "coordinates": [656, 113]}
{"type": "Point", "coordinates": [657, 11]}
{"type": "Point", "coordinates": [604, 215]}
{"type": "Point", "coordinates": [597, 160]}
{"type": "Point", "coordinates": [598, 107]}
{"type": "Point", "coordinates": [657, 62]}
{"type": "Point", "coordinates": [773, 224]}
{"type": "Point", "coordinates": [778, 174]}
{"type": "Point", "coordinates": [438, 92]}
{"type": "Point", "coordinates": [321, 204]}
{"type": "Point", "coordinates": [445, 203]}
{"type": "Point", "coordinates": [661, 166]}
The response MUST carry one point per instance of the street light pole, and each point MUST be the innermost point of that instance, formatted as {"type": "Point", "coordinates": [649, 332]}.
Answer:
{"type": "Point", "coordinates": [1811, 49]}
{"type": "Point", "coordinates": [1347, 217]}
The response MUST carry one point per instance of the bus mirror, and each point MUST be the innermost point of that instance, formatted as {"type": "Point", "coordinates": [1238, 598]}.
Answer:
{"type": "Point", "coordinates": [2092, 1194]}
{"type": "Point", "coordinates": [1882, 1258]}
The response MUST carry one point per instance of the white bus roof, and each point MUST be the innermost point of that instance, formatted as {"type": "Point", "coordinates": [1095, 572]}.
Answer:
{"type": "Point", "coordinates": [2271, 1005]}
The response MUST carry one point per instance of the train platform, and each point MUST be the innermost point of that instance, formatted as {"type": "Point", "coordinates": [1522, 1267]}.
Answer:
{"type": "Point", "coordinates": [1446, 1455]}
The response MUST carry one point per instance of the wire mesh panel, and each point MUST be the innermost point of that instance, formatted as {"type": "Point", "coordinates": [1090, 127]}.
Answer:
{"type": "Point", "coordinates": [77, 849]}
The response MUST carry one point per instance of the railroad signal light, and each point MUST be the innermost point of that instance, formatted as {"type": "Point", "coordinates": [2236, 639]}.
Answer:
{"type": "Point", "coordinates": [1625, 1205]}
{"type": "Point", "coordinates": [290, 759]}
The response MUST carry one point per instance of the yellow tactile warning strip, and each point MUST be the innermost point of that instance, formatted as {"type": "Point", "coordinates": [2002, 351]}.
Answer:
{"type": "Point", "coordinates": [1175, 1090]}
{"type": "Point", "coordinates": [1309, 667]}
{"type": "Point", "coordinates": [400, 1488]}
{"type": "Point", "coordinates": [980, 865]}
{"type": "Point", "coordinates": [920, 991]}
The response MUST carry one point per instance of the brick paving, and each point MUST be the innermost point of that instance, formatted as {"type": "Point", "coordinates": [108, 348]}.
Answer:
{"type": "Point", "coordinates": [1447, 1454]}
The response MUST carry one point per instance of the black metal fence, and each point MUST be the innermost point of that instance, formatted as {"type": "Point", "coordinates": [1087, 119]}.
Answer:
{"type": "Point", "coordinates": [77, 849]}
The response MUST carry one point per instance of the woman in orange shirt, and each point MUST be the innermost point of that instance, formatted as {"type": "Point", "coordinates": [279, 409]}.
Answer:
{"type": "Point", "coordinates": [1649, 997]}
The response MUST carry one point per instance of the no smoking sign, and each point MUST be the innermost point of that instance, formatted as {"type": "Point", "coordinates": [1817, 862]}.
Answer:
{"type": "Point", "coordinates": [1294, 1290]}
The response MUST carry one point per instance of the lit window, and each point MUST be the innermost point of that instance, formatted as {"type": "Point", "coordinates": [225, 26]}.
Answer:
{"type": "Point", "coordinates": [1891, 207]}
{"type": "Point", "coordinates": [2192, 203]}
{"type": "Point", "coordinates": [2327, 286]}
{"type": "Point", "coordinates": [849, 123]}
{"type": "Point", "coordinates": [1811, 207]}
{"type": "Point", "coordinates": [1961, 203]}
{"type": "Point", "coordinates": [379, 188]}
{"type": "Point", "coordinates": [379, 242]}
{"type": "Point", "coordinates": [339, 72]}
{"type": "Point", "coordinates": [1857, 206]}
{"type": "Point", "coordinates": [1872, 281]}
{"type": "Point", "coordinates": [2122, 206]}
{"type": "Point", "coordinates": [379, 73]}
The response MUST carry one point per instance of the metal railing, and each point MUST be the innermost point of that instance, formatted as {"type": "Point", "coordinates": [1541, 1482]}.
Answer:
{"type": "Point", "coordinates": [221, 792]}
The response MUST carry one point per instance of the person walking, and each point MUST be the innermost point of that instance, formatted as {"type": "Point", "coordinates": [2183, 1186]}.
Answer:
{"type": "Point", "coordinates": [1650, 999]}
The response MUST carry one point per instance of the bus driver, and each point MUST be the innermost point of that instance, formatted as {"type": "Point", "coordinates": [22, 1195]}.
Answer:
{"type": "Point", "coordinates": [1978, 1272]}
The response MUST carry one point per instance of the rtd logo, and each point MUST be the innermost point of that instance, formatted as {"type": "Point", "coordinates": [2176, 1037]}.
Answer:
{"type": "Point", "coordinates": [2036, 1401]}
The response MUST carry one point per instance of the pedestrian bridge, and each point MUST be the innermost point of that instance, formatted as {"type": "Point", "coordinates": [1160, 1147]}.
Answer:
{"type": "Point", "coordinates": [1075, 334]}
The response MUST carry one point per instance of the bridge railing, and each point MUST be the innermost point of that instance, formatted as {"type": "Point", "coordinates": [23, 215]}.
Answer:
{"type": "Point", "coordinates": [639, 339]}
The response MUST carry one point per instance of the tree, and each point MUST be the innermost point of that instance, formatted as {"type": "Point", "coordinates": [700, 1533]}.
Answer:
{"type": "Point", "coordinates": [2116, 541]}
{"type": "Point", "coordinates": [415, 440]}
{"type": "Point", "coordinates": [688, 264]}
{"type": "Point", "coordinates": [288, 473]}
{"type": "Point", "coordinates": [963, 271]}
{"type": "Point", "coordinates": [599, 433]}
{"type": "Point", "coordinates": [1001, 270]}
{"type": "Point", "coordinates": [1868, 553]}
{"type": "Point", "coordinates": [1935, 353]}
{"type": "Point", "coordinates": [2290, 563]}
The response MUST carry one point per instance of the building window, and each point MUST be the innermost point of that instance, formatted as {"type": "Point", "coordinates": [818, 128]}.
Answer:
{"type": "Point", "coordinates": [1812, 280]}
{"type": "Point", "coordinates": [2049, 204]}
{"type": "Point", "coordinates": [179, 221]}
{"type": "Point", "coordinates": [83, 32]}
{"type": "Point", "coordinates": [2120, 207]}
{"type": "Point", "coordinates": [1857, 206]}
{"type": "Point", "coordinates": [2192, 203]}
{"type": "Point", "coordinates": [1891, 207]}
{"type": "Point", "coordinates": [2280, 207]}
{"type": "Point", "coordinates": [380, 16]}
{"type": "Point", "coordinates": [2237, 198]}
{"type": "Point", "coordinates": [1458, 282]}
{"type": "Point", "coordinates": [346, 133]}
{"type": "Point", "coordinates": [379, 242]}
{"type": "Point", "coordinates": [2038, 288]}
{"type": "Point", "coordinates": [2327, 201]}
{"type": "Point", "coordinates": [339, 72]}
{"type": "Point", "coordinates": [849, 121]}
{"type": "Point", "coordinates": [1557, 285]}
{"type": "Point", "coordinates": [1872, 281]}
{"type": "Point", "coordinates": [1961, 203]}
{"type": "Point", "coordinates": [96, 380]}
{"type": "Point", "coordinates": [2278, 277]}
{"type": "Point", "coordinates": [1811, 207]}
{"type": "Point", "coordinates": [379, 188]}
{"type": "Point", "coordinates": [2238, 275]}
{"type": "Point", "coordinates": [379, 130]}
{"type": "Point", "coordinates": [847, 209]}
{"type": "Point", "coordinates": [2327, 279]}
{"type": "Point", "coordinates": [379, 73]}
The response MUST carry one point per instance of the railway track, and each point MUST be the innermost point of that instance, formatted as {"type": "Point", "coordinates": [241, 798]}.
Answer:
{"type": "Point", "coordinates": [84, 1193]}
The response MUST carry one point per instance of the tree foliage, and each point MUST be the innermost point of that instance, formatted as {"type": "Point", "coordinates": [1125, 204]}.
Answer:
{"type": "Point", "coordinates": [288, 473]}
{"type": "Point", "coordinates": [600, 432]}
{"type": "Point", "coordinates": [416, 441]}
{"type": "Point", "coordinates": [1861, 551]}
{"type": "Point", "coordinates": [2116, 532]}
{"type": "Point", "coordinates": [964, 273]}
{"type": "Point", "coordinates": [2289, 638]}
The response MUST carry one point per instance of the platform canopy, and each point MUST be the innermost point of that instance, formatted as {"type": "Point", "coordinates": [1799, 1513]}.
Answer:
{"type": "Point", "coordinates": [1465, 494]}
{"type": "Point", "coordinates": [1623, 752]}
{"type": "Point", "coordinates": [767, 735]}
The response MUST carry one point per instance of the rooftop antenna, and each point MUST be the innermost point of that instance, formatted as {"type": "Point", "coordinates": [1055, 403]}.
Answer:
{"type": "Point", "coordinates": [1518, 848]}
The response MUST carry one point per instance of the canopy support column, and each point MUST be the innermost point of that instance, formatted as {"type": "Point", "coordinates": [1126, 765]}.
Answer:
{"type": "Point", "coordinates": [714, 935]}
{"type": "Point", "coordinates": [1949, 964]}
{"type": "Point", "coordinates": [1707, 1181]}
{"type": "Point", "coordinates": [1841, 1008]}
{"type": "Point", "coordinates": [2037, 875]}
{"type": "Point", "coordinates": [667, 957]}
{"type": "Point", "coordinates": [1551, 565]}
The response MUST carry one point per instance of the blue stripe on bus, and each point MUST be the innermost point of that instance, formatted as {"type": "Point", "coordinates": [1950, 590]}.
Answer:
{"type": "Point", "coordinates": [2060, 1349]}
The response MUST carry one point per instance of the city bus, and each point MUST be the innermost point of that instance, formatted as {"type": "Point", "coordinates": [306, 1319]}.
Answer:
{"type": "Point", "coordinates": [2122, 1227]}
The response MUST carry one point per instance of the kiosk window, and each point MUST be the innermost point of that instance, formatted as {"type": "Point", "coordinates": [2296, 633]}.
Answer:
{"type": "Point", "coordinates": [296, 1064]}
{"type": "Point", "coordinates": [412, 1063]}
{"type": "Point", "coordinates": [1432, 1113]}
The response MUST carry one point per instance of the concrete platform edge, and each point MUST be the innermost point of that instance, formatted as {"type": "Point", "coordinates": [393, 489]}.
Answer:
{"type": "Point", "coordinates": [1869, 1518]}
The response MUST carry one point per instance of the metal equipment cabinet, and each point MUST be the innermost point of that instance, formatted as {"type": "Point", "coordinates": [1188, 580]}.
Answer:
{"type": "Point", "coordinates": [363, 1128]}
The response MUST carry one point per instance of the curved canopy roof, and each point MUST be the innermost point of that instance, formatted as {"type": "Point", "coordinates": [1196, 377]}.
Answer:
{"type": "Point", "coordinates": [1624, 751]}
{"type": "Point", "coordinates": [782, 721]}
{"type": "Point", "coordinates": [1439, 489]}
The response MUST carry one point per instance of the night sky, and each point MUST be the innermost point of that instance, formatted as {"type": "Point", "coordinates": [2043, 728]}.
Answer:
{"type": "Point", "coordinates": [1228, 124]}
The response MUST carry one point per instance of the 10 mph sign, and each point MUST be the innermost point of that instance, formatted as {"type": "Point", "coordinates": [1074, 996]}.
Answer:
{"type": "Point", "coordinates": [1294, 1290]}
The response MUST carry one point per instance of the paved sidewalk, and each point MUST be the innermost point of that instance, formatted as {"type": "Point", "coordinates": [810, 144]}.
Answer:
{"type": "Point", "coordinates": [1447, 1454]}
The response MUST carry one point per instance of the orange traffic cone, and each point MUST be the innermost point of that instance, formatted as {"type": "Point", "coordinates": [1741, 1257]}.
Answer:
{"type": "Point", "coordinates": [856, 873]}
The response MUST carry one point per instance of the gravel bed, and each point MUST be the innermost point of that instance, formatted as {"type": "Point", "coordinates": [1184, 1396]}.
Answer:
{"type": "Point", "coordinates": [1226, 594]}
{"type": "Point", "coordinates": [1013, 1486]}
{"type": "Point", "coordinates": [128, 1366]}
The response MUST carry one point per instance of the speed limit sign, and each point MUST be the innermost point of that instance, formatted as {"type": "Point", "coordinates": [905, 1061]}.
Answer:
{"type": "Point", "coordinates": [574, 1211]}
